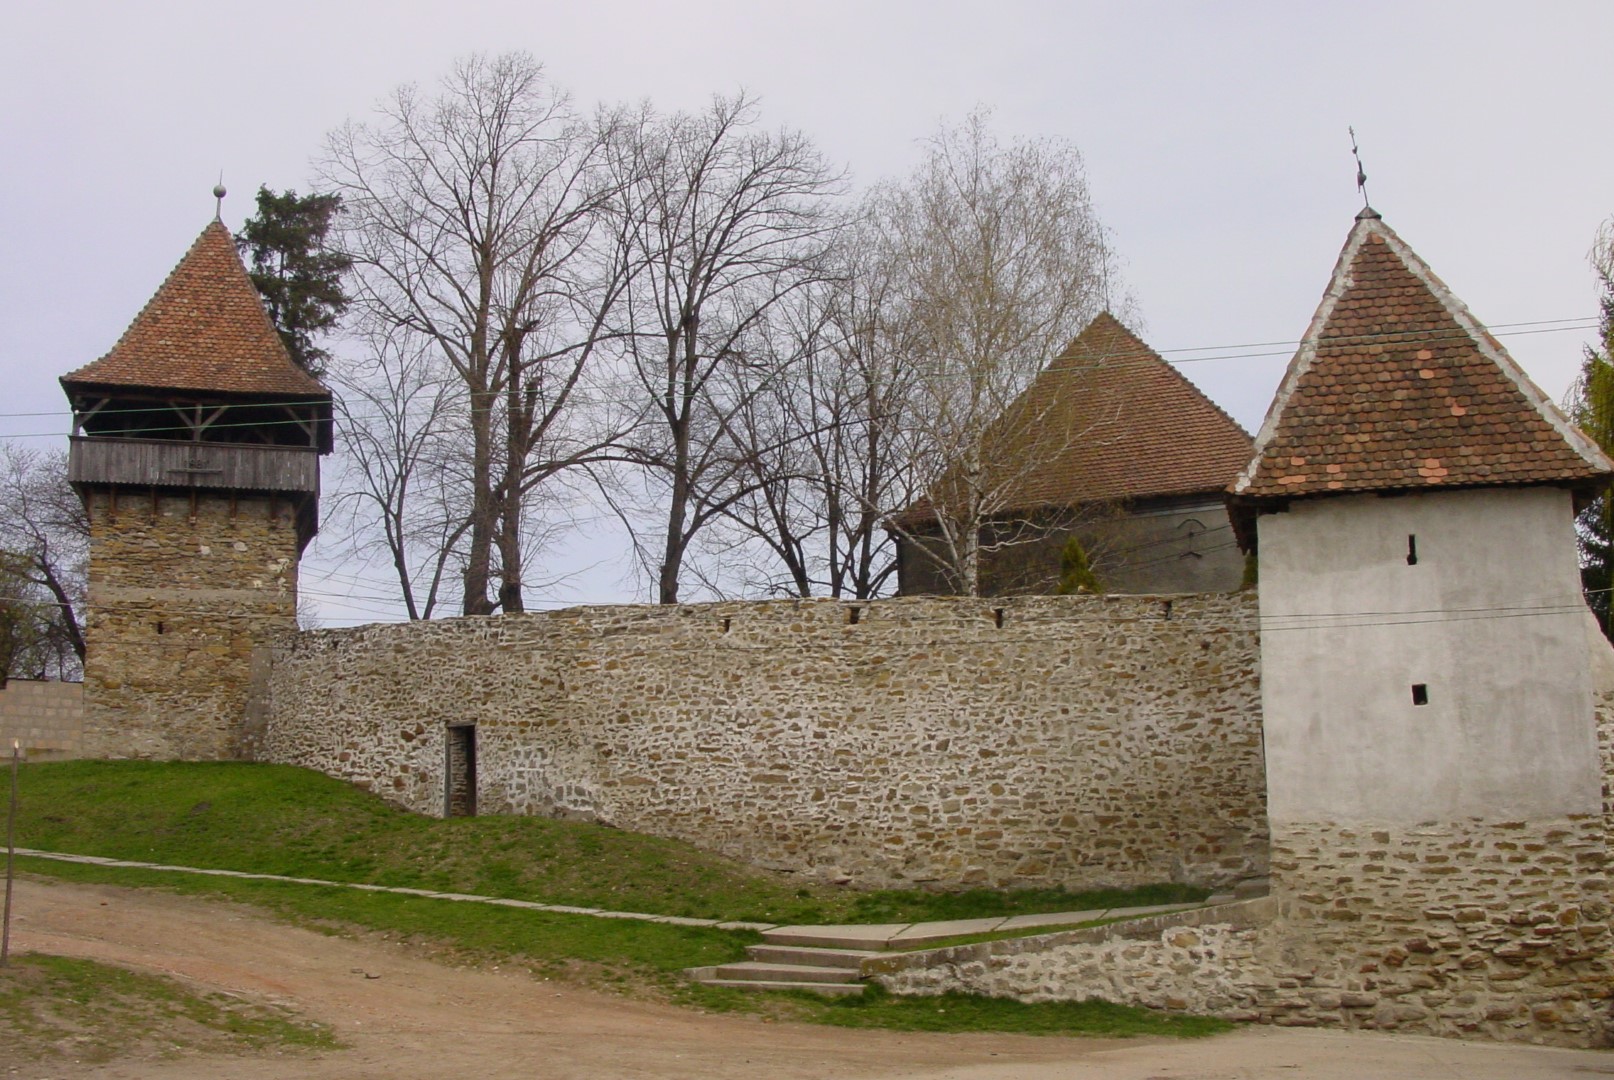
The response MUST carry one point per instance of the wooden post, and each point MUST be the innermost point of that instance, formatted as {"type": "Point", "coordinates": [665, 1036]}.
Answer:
{"type": "Point", "coordinates": [11, 855]}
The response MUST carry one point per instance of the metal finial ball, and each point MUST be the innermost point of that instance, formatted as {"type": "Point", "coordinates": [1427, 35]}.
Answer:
{"type": "Point", "coordinates": [218, 191]}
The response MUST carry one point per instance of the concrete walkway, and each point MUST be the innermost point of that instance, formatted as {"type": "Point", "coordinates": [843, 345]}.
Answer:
{"type": "Point", "coordinates": [884, 937]}
{"type": "Point", "coordinates": [872, 938]}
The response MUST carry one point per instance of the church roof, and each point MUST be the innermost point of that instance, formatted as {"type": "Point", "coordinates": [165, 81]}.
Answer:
{"type": "Point", "coordinates": [205, 330]}
{"type": "Point", "coordinates": [1108, 419]}
{"type": "Point", "coordinates": [1396, 386]}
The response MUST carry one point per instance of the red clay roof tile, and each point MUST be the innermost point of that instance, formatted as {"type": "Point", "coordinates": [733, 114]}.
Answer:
{"type": "Point", "coordinates": [1396, 386]}
{"type": "Point", "coordinates": [1110, 420]}
{"type": "Point", "coordinates": [205, 329]}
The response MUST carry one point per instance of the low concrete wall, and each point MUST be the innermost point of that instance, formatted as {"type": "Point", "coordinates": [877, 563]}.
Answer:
{"type": "Point", "coordinates": [1075, 741]}
{"type": "Point", "coordinates": [46, 717]}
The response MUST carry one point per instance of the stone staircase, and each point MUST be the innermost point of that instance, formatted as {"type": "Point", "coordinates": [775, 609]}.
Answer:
{"type": "Point", "coordinates": [832, 972]}
{"type": "Point", "coordinates": [829, 959]}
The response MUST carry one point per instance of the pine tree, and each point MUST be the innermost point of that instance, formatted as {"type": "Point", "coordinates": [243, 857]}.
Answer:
{"type": "Point", "coordinates": [298, 276]}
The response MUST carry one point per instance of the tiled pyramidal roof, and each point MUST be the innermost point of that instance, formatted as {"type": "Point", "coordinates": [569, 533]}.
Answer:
{"type": "Point", "coordinates": [1397, 387]}
{"type": "Point", "coordinates": [1139, 428]}
{"type": "Point", "coordinates": [205, 330]}
{"type": "Point", "coordinates": [1108, 419]}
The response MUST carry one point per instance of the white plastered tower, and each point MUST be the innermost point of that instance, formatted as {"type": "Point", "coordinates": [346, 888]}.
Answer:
{"type": "Point", "coordinates": [1433, 767]}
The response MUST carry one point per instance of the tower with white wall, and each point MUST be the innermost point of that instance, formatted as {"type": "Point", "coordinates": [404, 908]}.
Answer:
{"type": "Point", "coordinates": [1434, 778]}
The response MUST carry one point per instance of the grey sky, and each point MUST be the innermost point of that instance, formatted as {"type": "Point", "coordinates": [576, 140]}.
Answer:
{"type": "Point", "coordinates": [1214, 135]}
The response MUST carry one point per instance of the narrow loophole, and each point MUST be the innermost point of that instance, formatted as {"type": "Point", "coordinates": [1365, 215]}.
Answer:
{"type": "Point", "coordinates": [997, 617]}
{"type": "Point", "coordinates": [159, 626]}
{"type": "Point", "coordinates": [1420, 693]}
{"type": "Point", "coordinates": [1412, 550]}
{"type": "Point", "coordinates": [726, 623]}
{"type": "Point", "coordinates": [853, 614]}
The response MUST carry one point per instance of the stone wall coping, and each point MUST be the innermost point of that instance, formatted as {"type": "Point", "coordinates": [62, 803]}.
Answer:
{"type": "Point", "coordinates": [821, 613]}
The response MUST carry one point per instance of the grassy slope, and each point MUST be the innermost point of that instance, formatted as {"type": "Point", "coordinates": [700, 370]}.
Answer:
{"type": "Point", "coordinates": [273, 819]}
{"type": "Point", "coordinates": [281, 820]}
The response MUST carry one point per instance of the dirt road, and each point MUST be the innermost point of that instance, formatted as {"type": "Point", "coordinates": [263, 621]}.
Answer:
{"type": "Point", "coordinates": [413, 1018]}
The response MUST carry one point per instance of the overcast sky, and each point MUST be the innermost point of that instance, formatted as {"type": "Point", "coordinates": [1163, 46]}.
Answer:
{"type": "Point", "coordinates": [1214, 136]}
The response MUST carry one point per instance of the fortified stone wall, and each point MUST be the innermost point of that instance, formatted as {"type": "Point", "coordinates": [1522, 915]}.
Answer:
{"type": "Point", "coordinates": [47, 718]}
{"type": "Point", "coordinates": [1497, 928]}
{"type": "Point", "coordinates": [1070, 741]}
{"type": "Point", "coordinates": [179, 592]}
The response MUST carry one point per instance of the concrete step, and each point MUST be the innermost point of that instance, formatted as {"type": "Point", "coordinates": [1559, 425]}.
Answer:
{"type": "Point", "coordinates": [835, 937]}
{"type": "Point", "coordinates": [809, 957]}
{"type": "Point", "coordinates": [758, 971]}
{"type": "Point", "coordinates": [827, 989]}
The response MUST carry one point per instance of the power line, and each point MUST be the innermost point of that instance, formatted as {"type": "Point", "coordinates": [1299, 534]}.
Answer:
{"type": "Point", "coordinates": [1542, 326]}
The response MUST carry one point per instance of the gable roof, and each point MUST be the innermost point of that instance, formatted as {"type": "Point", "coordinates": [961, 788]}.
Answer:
{"type": "Point", "coordinates": [205, 330]}
{"type": "Point", "coordinates": [1396, 386]}
{"type": "Point", "coordinates": [1111, 420]}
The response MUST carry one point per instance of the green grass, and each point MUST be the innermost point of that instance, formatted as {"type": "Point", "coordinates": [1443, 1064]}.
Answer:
{"type": "Point", "coordinates": [57, 1007]}
{"type": "Point", "coordinates": [276, 819]}
{"type": "Point", "coordinates": [622, 948]}
{"type": "Point", "coordinates": [293, 822]}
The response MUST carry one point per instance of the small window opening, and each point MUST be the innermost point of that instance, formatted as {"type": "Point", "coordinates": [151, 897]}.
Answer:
{"type": "Point", "coordinates": [1412, 550]}
{"type": "Point", "coordinates": [853, 614]}
{"type": "Point", "coordinates": [1165, 611]}
{"type": "Point", "coordinates": [997, 617]}
{"type": "Point", "coordinates": [159, 626]}
{"type": "Point", "coordinates": [1420, 693]}
{"type": "Point", "coordinates": [727, 622]}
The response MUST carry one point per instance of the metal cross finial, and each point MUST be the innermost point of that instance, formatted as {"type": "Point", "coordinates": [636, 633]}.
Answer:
{"type": "Point", "coordinates": [219, 193]}
{"type": "Point", "coordinates": [1361, 174]}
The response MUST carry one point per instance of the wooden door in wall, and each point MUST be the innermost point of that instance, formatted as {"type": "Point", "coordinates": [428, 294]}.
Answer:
{"type": "Point", "coordinates": [459, 786]}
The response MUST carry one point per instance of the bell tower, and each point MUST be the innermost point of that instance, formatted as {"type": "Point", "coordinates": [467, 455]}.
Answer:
{"type": "Point", "coordinates": [195, 448]}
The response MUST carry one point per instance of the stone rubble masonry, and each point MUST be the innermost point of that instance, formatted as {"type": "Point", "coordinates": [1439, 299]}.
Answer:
{"type": "Point", "coordinates": [1491, 928]}
{"type": "Point", "coordinates": [1076, 741]}
{"type": "Point", "coordinates": [1603, 700]}
{"type": "Point", "coordinates": [45, 717]}
{"type": "Point", "coordinates": [179, 594]}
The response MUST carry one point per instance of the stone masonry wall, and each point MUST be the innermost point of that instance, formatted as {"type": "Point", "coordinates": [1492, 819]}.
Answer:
{"type": "Point", "coordinates": [46, 717]}
{"type": "Point", "coordinates": [1035, 741]}
{"type": "Point", "coordinates": [1498, 928]}
{"type": "Point", "coordinates": [178, 595]}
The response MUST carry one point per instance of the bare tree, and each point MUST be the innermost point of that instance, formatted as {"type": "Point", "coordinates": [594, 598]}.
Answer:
{"type": "Point", "coordinates": [480, 223]}
{"type": "Point", "coordinates": [831, 439]}
{"type": "Point", "coordinates": [405, 489]}
{"type": "Point", "coordinates": [44, 549]}
{"type": "Point", "coordinates": [727, 221]}
{"type": "Point", "coordinates": [995, 260]}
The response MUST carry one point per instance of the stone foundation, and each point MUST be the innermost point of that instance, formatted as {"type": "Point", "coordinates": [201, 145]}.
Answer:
{"type": "Point", "coordinates": [1496, 928]}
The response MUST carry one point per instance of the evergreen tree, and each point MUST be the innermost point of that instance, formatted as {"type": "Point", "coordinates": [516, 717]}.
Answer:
{"type": "Point", "coordinates": [1075, 572]}
{"type": "Point", "coordinates": [1591, 404]}
{"type": "Point", "coordinates": [298, 276]}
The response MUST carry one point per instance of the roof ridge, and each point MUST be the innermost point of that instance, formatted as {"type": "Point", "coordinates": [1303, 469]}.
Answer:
{"type": "Point", "coordinates": [1494, 351]}
{"type": "Point", "coordinates": [1414, 430]}
{"type": "Point", "coordinates": [1306, 352]}
{"type": "Point", "coordinates": [1148, 431]}
{"type": "Point", "coordinates": [1168, 365]}
{"type": "Point", "coordinates": [205, 328]}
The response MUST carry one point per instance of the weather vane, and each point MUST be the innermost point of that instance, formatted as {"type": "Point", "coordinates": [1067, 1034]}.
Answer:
{"type": "Point", "coordinates": [1361, 174]}
{"type": "Point", "coordinates": [219, 193]}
